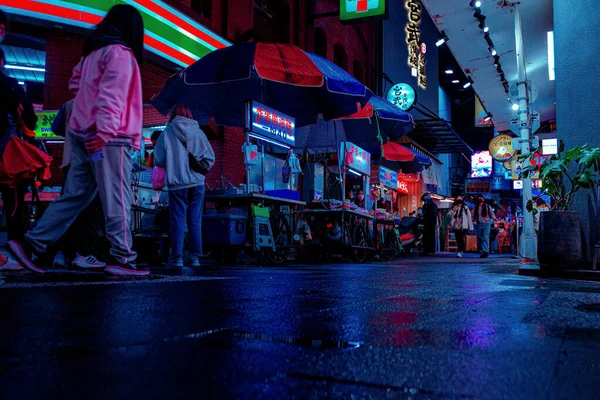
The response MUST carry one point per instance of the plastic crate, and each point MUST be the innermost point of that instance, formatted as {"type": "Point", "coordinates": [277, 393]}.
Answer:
{"type": "Point", "coordinates": [224, 229]}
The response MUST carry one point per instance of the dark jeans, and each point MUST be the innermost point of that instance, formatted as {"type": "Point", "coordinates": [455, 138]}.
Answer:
{"type": "Point", "coordinates": [461, 239]}
{"type": "Point", "coordinates": [186, 205]}
{"type": "Point", "coordinates": [15, 210]}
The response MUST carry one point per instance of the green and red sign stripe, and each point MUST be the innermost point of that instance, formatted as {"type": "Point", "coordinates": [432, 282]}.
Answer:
{"type": "Point", "coordinates": [169, 33]}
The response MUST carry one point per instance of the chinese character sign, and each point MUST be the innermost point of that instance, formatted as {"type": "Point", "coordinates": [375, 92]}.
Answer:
{"type": "Point", "coordinates": [416, 49]}
{"type": "Point", "coordinates": [402, 186]}
{"type": "Point", "coordinates": [501, 149]}
{"type": "Point", "coordinates": [402, 95]}
{"type": "Point", "coordinates": [355, 158]}
{"type": "Point", "coordinates": [271, 124]}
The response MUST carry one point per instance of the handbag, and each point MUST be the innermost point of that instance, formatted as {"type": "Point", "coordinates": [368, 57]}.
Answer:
{"type": "Point", "coordinates": [158, 178]}
{"type": "Point", "coordinates": [201, 166]}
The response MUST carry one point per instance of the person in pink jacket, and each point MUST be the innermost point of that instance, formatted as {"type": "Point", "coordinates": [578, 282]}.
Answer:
{"type": "Point", "coordinates": [105, 124]}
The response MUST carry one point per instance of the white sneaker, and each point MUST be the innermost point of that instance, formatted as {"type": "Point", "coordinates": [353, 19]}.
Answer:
{"type": "Point", "coordinates": [11, 265]}
{"type": "Point", "coordinates": [459, 255]}
{"type": "Point", "coordinates": [87, 262]}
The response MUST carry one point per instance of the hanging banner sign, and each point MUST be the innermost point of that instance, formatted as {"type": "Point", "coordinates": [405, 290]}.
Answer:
{"type": "Point", "coordinates": [355, 158]}
{"type": "Point", "coordinates": [501, 148]}
{"type": "Point", "coordinates": [416, 48]}
{"type": "Point", "coordinates": [270, 124]}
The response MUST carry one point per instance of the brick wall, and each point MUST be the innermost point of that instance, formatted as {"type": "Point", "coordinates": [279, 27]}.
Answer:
{"type": "Point", "coordinates": [63, 52]}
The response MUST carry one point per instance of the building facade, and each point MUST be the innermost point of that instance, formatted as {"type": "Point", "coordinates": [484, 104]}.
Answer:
{"type": "Point", "coordinates": [58, 29]}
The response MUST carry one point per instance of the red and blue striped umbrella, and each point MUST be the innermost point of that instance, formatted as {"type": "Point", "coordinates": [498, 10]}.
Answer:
{"type": "Point", "coordinates": [281, 76]}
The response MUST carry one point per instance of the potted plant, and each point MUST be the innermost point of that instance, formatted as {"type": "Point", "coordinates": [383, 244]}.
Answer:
{"type": "Point", "coordinates": [563, 175]}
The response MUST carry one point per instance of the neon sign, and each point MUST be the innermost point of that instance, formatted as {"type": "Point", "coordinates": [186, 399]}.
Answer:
{"type": "Point", "coordinates": [271, 124]}
{"type": "Point", "coordinates": [169, 33]}
{"type": "Point", "coordinates": [416, 49]}
{"type": "Point", "coordinates": [402, 186]}
{"type": "Point", "coordinates": [402, 95]}
{"type": "Point", "coordinates": [355, 158]}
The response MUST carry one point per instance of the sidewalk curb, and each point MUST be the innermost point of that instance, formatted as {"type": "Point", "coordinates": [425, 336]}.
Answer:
{"type": "Point", "coordinates": [574, 274]}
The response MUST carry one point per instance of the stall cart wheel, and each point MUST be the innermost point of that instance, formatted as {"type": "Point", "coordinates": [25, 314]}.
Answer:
{"type": "Point", "coordinates": [387, 246]}
{"type": "Point", "coordinates": [282, 235]}
{"type": "Point", "coordinates": [360, 242]}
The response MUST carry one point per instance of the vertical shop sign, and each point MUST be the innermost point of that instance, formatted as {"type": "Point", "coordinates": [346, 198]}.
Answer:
{"type": "Point", "coordinates": [416, 49]}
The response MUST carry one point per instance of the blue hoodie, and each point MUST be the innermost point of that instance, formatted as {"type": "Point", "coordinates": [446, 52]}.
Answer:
{"type": "Point", "coordinates": [170, 153]}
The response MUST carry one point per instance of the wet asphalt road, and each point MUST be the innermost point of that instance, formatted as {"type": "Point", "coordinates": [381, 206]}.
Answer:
{"type": "Point", "coordinates": [419, 328]}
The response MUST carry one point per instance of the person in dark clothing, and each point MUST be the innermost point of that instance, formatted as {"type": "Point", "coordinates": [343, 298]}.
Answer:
{"type": "Point", "coordinates": [430, 212]}
{"type": "Point", "coordinates": [15, 108]}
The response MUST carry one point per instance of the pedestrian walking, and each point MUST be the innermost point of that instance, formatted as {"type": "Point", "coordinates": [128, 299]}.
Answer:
{"type": "Point", "coordinates": [15, 108]}
{"type": "Point", "coordinates": [182, 138]}
{"type": "Point", "coordinates": [429, 224]}
{"type": "Point", "coordinates": [106, 123]}
{"type": "Point", "coordinates": [483, 217]}
{"type": "Point", "coordinates": [78, 242]}
{"type": "Point", "coordinates": [461, 222]}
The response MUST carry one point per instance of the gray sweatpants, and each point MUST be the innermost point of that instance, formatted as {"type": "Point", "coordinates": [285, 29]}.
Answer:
{"type": "Point", "coordinates": [111, 178]}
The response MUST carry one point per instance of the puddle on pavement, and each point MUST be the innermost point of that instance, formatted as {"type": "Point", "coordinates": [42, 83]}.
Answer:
{"type": "Point", "coordinates": [323, 344]}
{"type": "Point", "coordinates": [70, 277]}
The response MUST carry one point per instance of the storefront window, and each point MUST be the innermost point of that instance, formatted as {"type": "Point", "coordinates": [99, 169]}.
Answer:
{"type": "Point", "coordinates": [320, 43]}
{"type": "Point", "coordinates": [204, 7]}
{"type": "Point", "coordinates": [272, 21]}
{"type": "Point", "coordinates": [340, 58]}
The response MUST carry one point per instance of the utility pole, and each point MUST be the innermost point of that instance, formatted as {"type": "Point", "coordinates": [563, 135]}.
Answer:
{"type": "Point", "coordinates": [529, 239]}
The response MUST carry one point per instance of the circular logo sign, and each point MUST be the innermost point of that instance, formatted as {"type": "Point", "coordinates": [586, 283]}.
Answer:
{"type": "Point", "coordinates": [402, 95]}
{"type": "Point", "coordinates": [501, 148]}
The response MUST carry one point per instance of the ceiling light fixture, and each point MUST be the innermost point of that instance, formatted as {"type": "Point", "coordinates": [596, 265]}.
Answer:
{"type": "Point", "coordinates": [484, 27]}
{"type": "Point", "coordinates": [468, 83]}
{"type": "Point", "coordinates": [22, 68]}
{"type": "Point", "coordinates": [456, 81]}
{"type": "Point", "coordinates": [449, 72]}
{"type": "Point", "coordinates": [443, 39]}
{"type": "Point", "coordinates": [515, 107]}
{"type": "Point", "coordinates": [493, 51]}
{"type": "Point", "coordinates": [488, 117]}
{"type": "Point", "coordinates": [496, 61]}
{"type": "Point", "coordinates": [551, 71]}
{"type": "Point", "coordinates": [475, 3]}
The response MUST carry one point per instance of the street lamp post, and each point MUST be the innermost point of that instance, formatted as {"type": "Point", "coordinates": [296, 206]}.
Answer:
{"type": "Point", "coordinates": [529, 239]}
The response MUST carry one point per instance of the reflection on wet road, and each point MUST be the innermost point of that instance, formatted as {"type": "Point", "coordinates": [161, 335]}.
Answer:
{"type": "Point", "coordinates": [420, 328]}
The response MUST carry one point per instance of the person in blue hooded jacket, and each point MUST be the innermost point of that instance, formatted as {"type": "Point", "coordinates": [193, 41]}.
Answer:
{"type": "Point", "coordinates": [186, 187]}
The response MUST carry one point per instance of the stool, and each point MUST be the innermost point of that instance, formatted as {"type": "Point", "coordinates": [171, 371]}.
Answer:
{"type": "Point", "coordinates": [263, 234]}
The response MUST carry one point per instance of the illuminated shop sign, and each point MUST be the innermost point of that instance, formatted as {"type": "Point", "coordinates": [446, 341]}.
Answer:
{"type": "Point", "coordinates": [43, 128]}
{"type": "Point", "coordinates": [402, 186]}
{"type": "Point", "coordinates": [355, 158]}
{"type": "Point", "coordinates": [271, 124]}
{"type": "Point", "coordinates": [416, 49]}
{"type": "Point", "coordinates": [169, 33]}
{"type": "Point", "coordinates": [501, 149]}
{"type": "Point", "coordinates": [402, 95]}
{"type": "Point", "coordinates": [384, 176]}
{"type": "Point", "coordinates": [353, 10]}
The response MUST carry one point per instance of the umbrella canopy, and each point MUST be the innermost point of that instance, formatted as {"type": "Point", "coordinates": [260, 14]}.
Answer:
{"type": "Point", "coordinates": [380, 116]}
{"type": "Point", "coordinates": [396, 152]}
{"type": "Point", "coordinates": [282, 76]}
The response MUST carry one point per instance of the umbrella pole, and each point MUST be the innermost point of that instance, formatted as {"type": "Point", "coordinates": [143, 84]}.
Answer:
{"type": "Point", "coordinates": [340, 155]}
{"type": "Point", "coordinates": [247, 166]}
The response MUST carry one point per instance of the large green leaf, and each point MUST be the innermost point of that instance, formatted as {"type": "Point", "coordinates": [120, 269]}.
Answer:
{"type": "Point", "coordinates": [585, 179]}
{"type": "Point", "coordinates": [591, 158]}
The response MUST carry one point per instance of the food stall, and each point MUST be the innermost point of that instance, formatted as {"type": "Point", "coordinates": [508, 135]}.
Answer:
{"type": "Point", "coordinates": [340, 225]}
{"type": "Point", "coordinates": [257, 218]}
{"type": "Point", "coordinates": [384, 181]}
